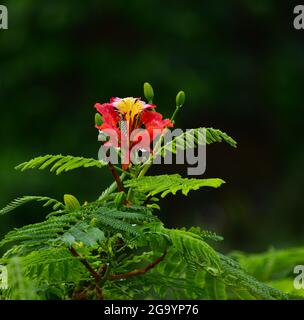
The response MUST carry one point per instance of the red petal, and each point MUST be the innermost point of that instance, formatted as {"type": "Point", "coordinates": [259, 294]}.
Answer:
{"type": "Point", "coordinates": [154, 123]}
{"type": "Point", "coordinates": [110, 116]}
{"type": "Point", "coordinates": [152, 119]}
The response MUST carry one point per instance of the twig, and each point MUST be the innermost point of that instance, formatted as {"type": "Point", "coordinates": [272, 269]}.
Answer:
{"type": "Point", "coordinates": [138, 272]}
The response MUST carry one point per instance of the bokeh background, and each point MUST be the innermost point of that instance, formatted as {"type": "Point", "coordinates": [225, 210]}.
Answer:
{"type": "Point", "coordinates": [241, 64]}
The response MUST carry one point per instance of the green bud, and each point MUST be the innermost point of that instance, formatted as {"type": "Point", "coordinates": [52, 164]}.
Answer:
{"type": "Point", "coordinates": [148, 91]}
{"type": "Point", "coordinates": [180, 98]}
{"type": "Point", "coordinates": [71, 203]}
{"type": "Point", "coordinates": [98, 119]}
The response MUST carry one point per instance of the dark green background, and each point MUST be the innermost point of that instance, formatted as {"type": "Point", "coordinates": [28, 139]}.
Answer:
{"type": "Point", "coordinates": [240, 63]}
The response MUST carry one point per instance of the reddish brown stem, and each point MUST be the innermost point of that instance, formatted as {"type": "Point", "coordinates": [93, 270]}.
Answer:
{"type": "Point", "coordinates": [99, 293]}
{"type": "Point", "coordinates": [138, 272]}
{"type": "Point", "coordinates": [120, 186]}
{"type": "Point", "coordinates": [94, 274]}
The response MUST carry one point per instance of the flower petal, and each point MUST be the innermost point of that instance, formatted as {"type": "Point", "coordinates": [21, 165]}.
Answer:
{"type": "Point", "coordinates": [109, 114]}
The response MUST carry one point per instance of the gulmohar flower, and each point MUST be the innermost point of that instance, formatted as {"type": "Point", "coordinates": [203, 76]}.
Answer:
{"type": "Point", "coordinates": [136, 113]}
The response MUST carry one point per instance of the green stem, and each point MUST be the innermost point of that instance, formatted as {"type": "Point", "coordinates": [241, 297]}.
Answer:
{"type": "Point", "coordinates": [105, 276]}
{"type": "Point", "coordinates": [175, 113]}
{"type": "Point", "coordinates": [145, 169]}
{"type": "Point", "coordinates": [122, 171]}
{"type": "Point", "coordinates": [148, 165]}
{"type": "Point", "coordinates": [129, 193]}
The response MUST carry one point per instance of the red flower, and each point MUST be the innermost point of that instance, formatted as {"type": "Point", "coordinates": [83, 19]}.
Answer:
{"type": "Point", "coordinates": [135, 113]}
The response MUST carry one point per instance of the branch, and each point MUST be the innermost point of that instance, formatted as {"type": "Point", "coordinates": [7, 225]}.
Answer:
{"type": "Point", "coordinates": [98, 291]}
{"type": "Point", "coordinates": [138, 272]}
{"type": "Point", "coordinates": [120, 186]}
{"type": "Point", "coordinates": [95, 275]}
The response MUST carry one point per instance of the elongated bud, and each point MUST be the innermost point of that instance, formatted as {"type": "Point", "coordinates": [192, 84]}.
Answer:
{"type": "Point", "coordinates": [180, 98]}
{"type": "Point", "coordinates": [71, 203]}
{"type": "Point", "coordinates": [148, 91]}
{"type": "Point", "coordinates": [98, 119]}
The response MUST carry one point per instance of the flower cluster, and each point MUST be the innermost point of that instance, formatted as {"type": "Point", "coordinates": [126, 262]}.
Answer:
{"type": "Point", "coordinates": [120, 117]}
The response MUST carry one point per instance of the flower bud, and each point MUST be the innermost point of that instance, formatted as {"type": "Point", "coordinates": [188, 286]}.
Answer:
{"type": "Point", "coordinates": [180, 98]}
{"type": "Point", "coordinates": [148, 91]}
{"type": "Point", "coordinates": [98, 119]}
{"type": "Point", "coordinates": [71, 203]}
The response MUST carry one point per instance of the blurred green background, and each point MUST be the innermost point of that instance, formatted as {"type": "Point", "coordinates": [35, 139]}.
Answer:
{"type": "Point", "coordinates": [241, 64]}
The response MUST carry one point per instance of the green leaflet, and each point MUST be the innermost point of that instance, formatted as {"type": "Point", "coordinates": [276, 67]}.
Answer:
{"type": "Point", "coordinates": [71, 203]}
{"type": "Point", "coordinates": [165, 184]}
{"type": "Point", "coordinates": [216, 135]}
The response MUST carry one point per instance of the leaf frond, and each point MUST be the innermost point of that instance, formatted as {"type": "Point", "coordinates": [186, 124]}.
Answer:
{"type": "Point", "coordinates": [23, 200]}
{"type": "Point", "coordinates": [59, 163]}
{"type": "Point", "coordinates": [165, 184]}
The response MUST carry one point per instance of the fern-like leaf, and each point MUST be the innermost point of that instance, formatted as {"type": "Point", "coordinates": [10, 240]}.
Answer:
{"type": "Point", "coordinates": [195, 250]}
{"type": "Point", "coordinates": [165, 184]}
{"type": "Point", "coordinates": [23, 200]}
{"type": "Point", "coordinates": [216, 135]}
{"type": "Point", "coordinates": [41, 232]}
{"type": "Point", "coordinates": [116, 224]}
{"type": "Point", "coordinates": [236, 277]}
{"type": "Point", "coordinates": [194, 137]}
{"type": "Point", "coordinates": [60, 163]}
